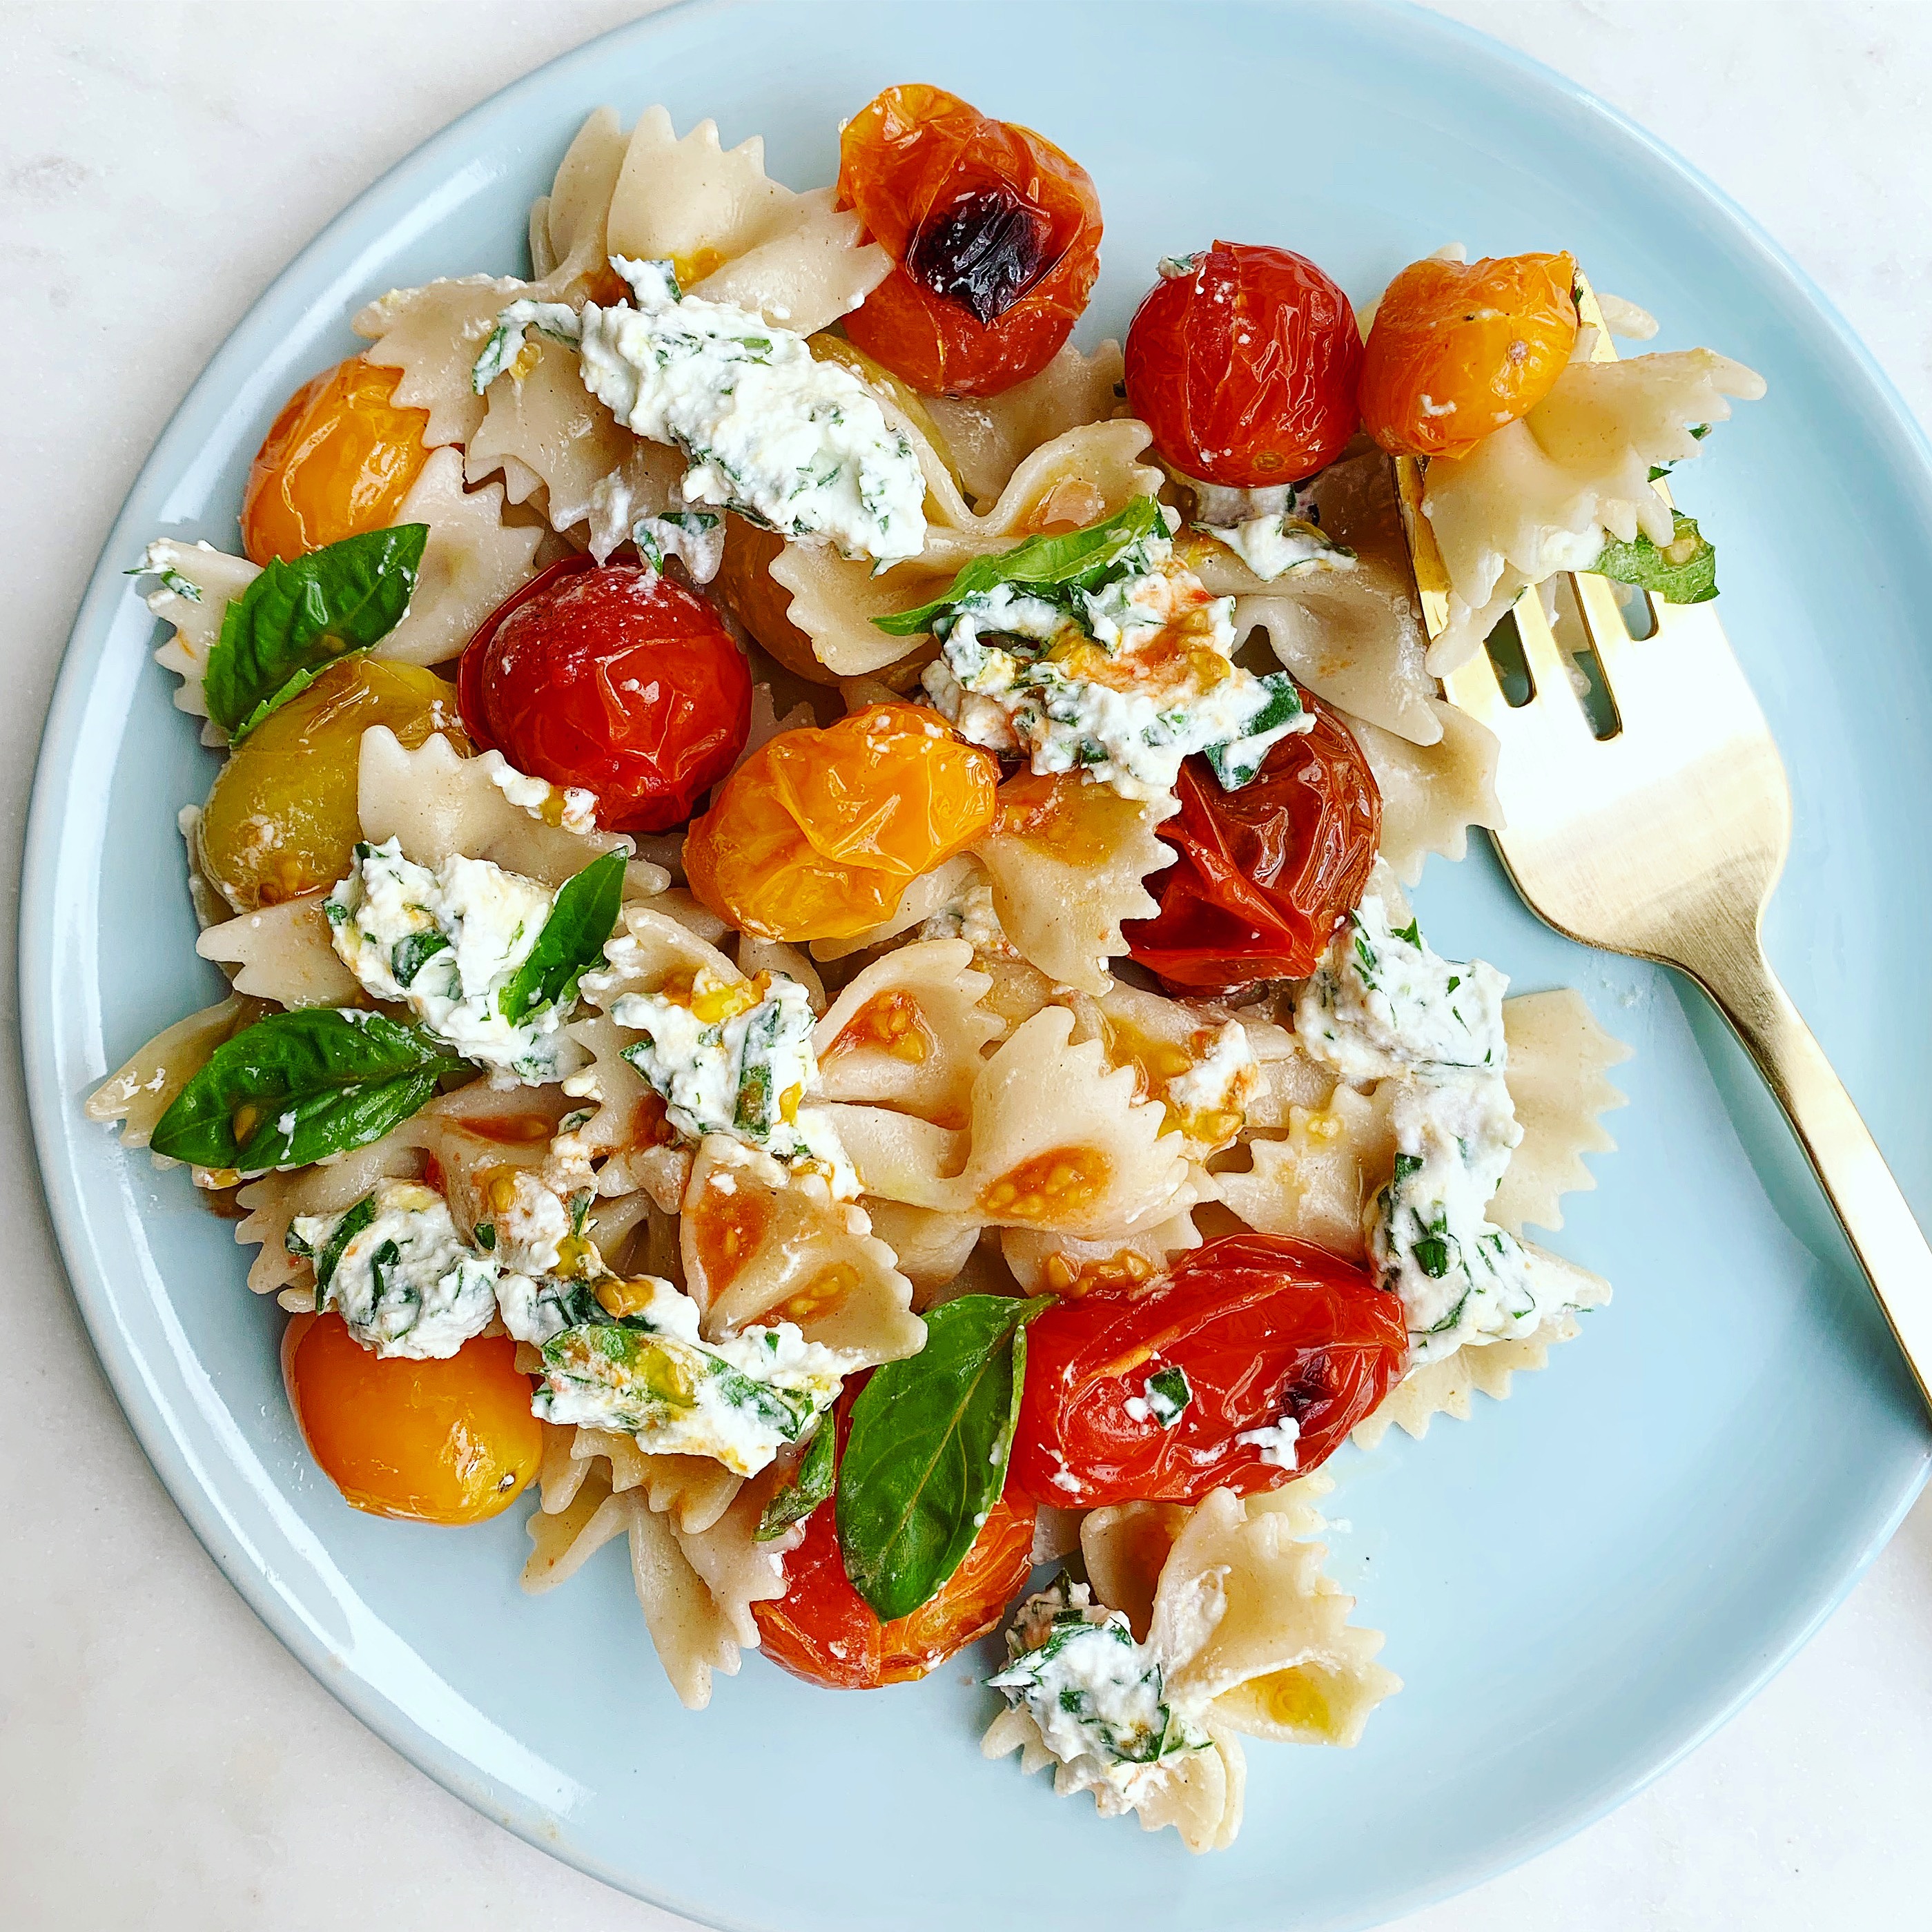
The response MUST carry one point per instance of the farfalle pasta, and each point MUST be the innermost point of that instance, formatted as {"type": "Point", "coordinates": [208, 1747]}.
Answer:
{"type": "Point", "coordinates": [812, 876]}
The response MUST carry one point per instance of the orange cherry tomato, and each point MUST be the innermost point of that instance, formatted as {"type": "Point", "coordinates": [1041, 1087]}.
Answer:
{"type": "Point", "coordinates": [1264, 875]}
{"type": "Point", "coordinates": [817, 834]}
{"type": "Point", "coordinates": [1263, 1328]}
{"type": "Point", "coordinates": [447, 1442]}
{"type": "Point", "coordinates": [994, 235]}
{"type": "Point", "coordinates": [338, 461]}
{"type": "Point", "coordinates": [822, 1630]}
{"type": "Point", "coordinates": [1243, 363]}
{"type": "Point", "coordinates": [1459, 348]}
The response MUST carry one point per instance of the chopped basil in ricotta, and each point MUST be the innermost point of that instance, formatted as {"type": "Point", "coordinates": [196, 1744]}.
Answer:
{"type": "Point", "coordinates": [394, 1267]}
{"type": "Point", "coordinates": [647, 1372]}
{"type": "Point", "coordinates": [1275, 531]}
{"type": "Point", "coordinates": [1167, 1395]}
{"type": "Point", "coordinates": [1096, 1697]}
{"type": "Point", "coordinates": [801, 446]}
{"type": "Point", "coordinates": [695, 537]}
{"type": "Point", "coordinates": [1122, 679]}
{"type": "Point", "coordinates": [730, 1059]}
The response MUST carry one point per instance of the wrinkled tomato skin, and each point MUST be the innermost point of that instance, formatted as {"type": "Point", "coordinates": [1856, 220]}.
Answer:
{"type": "Point", "coordinates": [1263, 876]}
{"type": "Point", "coordinates": [337, 462]}
{"type": "Point", "coordinates": [994, 235]}
{"type": "Point", "coordinates": [822, 1630]}
{"type": "Point", "coordinates": [449, 1442]}
{"type": "Point", "coordinates": [818, 834]}
{"type": "Point", "coordinates": [606, 677]}
{"type": "Point", "coordinates": [1244, 367]}
{"type": "Point", "coordinates": [1458, 349]}
{"type": "Point", "coordinates": [1263, 1327]}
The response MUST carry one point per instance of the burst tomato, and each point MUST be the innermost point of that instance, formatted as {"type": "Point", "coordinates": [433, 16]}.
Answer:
{"type": "Point", "coordinates": [610, 678]}
{"type": "Point", "coordinates": [822, 1630]}
{"type": "Point", "coordinates": [338, 461]}
{"type": "Point", "coordinates": [1265, 875]}
{"type": "Point", "coordinates": [994, 235]}
{"type": "Point", "coordinates": [1267, 1331]}
{"type": "Point", "coordinates": [440, 1441]}
{"type": "Point", "coordinates": [1243, 363]}
{"type": "Point", "coordinates": [817, 833]}
{"type": "Point", "coordinates": [1459, 348]}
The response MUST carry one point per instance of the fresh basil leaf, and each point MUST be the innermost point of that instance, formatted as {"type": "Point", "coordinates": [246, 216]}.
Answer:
{"type": "Point", "coordinates": [1684, 571]}
{"type": "Point", "coordinates": [810, 1484]}
{"type": "Point", "coordinates": [297, 1086]}
{"type": "Point", "coordinates": [927, 1456]}
{"type": "Point", "coordinates": [583, 915]}
{"type": "Point", "coordinates": [297, 618]}
{"type": "Point", "coordinates": [1041, 562]}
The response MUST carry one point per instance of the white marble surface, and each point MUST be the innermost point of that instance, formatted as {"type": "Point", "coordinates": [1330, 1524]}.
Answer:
{"type": "Point", "coordinates": [163, 1763]}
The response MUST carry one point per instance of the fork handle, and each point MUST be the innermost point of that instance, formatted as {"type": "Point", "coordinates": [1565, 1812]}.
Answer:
{"type": "Point", "coordinates": [1873, 1212]}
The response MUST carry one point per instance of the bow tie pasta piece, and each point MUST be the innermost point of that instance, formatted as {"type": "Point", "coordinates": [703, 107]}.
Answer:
{"type": "Point", "coordinates": [1448, 1387]}
{"type": "Point", "coordinates": [931, 1247]}
{"type": "Point", "coordinates": [762, 1246]}
{"type": "Point", "coordinates": [432, 334]}
{"type": "Point", "coordinates": [437, 804]}
{"type": "Point", "coordinates": [694, 1491]}
{"type": "Point", "coordinates": [1046, 1262]}
{"type": "Point", "coordinates": [627, 1145]}
{"type": "Point", "coordinates": [1432, 793]}
{"type": "Point", "coordinates": [988, 437]}
{"type": "Point", "coordinates": [283, 953]}
{"type": "Point", "coordinates": [1067, 858]}
{"type": "Point", "coordinates": [197, 584]}
{"type": "Point", "coordinates": [138, 1093]}
{"type": "Point", "coordinates": [569, 249]}
{"type": "Point", "coordinates": [908, 1033]}
{"type": "Point", "coordinates": [1312, 1183]}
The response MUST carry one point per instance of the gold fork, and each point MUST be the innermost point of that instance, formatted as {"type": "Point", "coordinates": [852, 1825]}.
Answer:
{"type": "Point", "coordinates": [1664, 840]}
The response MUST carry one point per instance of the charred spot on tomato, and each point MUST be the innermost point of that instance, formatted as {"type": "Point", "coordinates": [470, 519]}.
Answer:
{"type": "Point", "coordinates": [983, 251]}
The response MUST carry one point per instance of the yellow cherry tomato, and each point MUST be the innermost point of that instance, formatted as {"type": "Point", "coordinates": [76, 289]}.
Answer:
{"type": "Point", "coordinates": [447, 1442]}
{"type": "Point", "coordinates": [281, 819]}
{"type": "Point", "coordinates": [338, 461]}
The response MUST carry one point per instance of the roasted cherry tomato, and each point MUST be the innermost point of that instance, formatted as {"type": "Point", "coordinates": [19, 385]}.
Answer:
{"type": "Point", "coordinates": [610, 677]}
{"type": "Point", "coordinates": [281, 819]}
{"type": "Point", "coordinates": [1242, 363]}
{"type": "Point", "coordinates": [1266, 1332]}
{"type": "Point", "coordinates": [994, 235]}
{"type": "Point", "coordinates": [1265, 875]}
{"type": "Point", "coordinates": [818, 834]}
{"type": "Point", "coordinates": [822, 1630]}
{"type": "Point", "coordinates": [447, 1442]}
{"type": "Point", "coordinates": [1459, 348]}
{"type": "Point", "coordinates": [339, 460]}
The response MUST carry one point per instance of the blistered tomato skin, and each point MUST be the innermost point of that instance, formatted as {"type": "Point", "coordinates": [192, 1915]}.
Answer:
{"type": "Point", "coordinates": [440, 1441]}
{"type": "Point", "coordinates": [817, 833]}
{"type": "Point", "coordinates": [1263, 876]}
{"type": "Point", "coordinates": [337, 462]}
{"type": "Point", "coordinates": [994, 235]}
{"type": "Point", "coordinates": [822, 1630]}
{"type": "Point", "coordinates": [282, 817]}
{"type": "Point", "coordinates": [1263, 1328]}
{"type": "Point", "coordinates": [610, 678]}
{"type": "Point", "coordinates": [1459, 349]}
{"type": "Point", "coordinates": [1243, 365]}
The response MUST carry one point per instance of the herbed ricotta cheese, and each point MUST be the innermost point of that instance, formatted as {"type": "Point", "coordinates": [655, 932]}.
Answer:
{"type": "Point", "coordinates": [1122, 679]}
{"type": "Point", "coordinates": [799, 446]}
{"type": "Point", "coordinates": [1218, 1086]}
{"type": "Point", "coordinates": [446, 943]}
{"type": "Point", "coordinates": [570, 806]}
{"type": "Point", "coordinates": [1275, 530]}
{"type": "Point", "coordinates": [394, 1268]}
{"type": "Point", "coordinates": [647, 1372]}
{"type": "Point", "coordinates": [737, 1060]}
{"type": "Point", "coordinates": [1097, 1697]}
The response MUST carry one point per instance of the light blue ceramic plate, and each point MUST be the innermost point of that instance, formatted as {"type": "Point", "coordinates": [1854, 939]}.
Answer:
{"type": "Point", "coordinates": [1578, 1584]}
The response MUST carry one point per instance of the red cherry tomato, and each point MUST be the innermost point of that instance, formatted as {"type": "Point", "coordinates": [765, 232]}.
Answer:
{"type": "Point", "coordinates": [1263, 1328]}
{"type": "Point", "coordinates": [1265, 875]}
{"type": "Point", "coordinates": [1244, 367]}
{"type": "Point", "coordinates": [822, 1630]}
{"type": "Point", "coordinates": [599, 675]}
{"type": "Point", "coordinates": [994, 235]}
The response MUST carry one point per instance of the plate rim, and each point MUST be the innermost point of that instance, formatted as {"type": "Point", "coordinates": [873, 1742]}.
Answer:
{"type": "Point", "coordinates": [53, 1118]}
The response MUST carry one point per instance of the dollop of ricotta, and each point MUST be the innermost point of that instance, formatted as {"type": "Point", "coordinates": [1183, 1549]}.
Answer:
{"type": "Point", "coordinates": [394, 1268]}
{"type": "Point", "coordinates": [446, 944]}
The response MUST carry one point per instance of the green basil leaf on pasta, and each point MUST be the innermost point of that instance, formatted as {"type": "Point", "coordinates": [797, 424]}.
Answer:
{"type": "Point", "coordinates": [1684, 571]}
{"type": "Point", "coordinates": [810, 1483]}
{"type": "Point", "coordinates": [1042, 563]}
{"type": "Point", "coordinates": [296, 1086]}
{"type": "Point", "coordinates": [927, 1456]}
{"type": "Point", "coordinates": [583, 917]}
{"type": "Point", "coordinates": [297, 618]}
